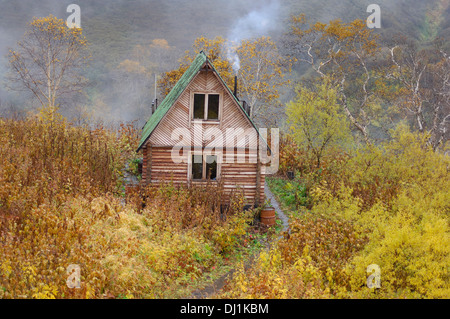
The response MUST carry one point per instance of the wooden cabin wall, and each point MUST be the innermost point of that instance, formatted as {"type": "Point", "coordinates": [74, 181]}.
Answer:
{"type": "Point", "coordinates": [235, 177]}
{"type": "Point", "coordinates": [158, 163]}
{"type": "Point", "coordinates": [163, 168]}
{"type": "Point", "coordinates": [178, 115]}
{"type": "Point", "coordinates": [144, 165]}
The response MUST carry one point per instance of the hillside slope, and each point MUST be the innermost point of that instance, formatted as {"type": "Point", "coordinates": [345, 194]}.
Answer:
{"type": "Point", "coordinates": [114, 29]}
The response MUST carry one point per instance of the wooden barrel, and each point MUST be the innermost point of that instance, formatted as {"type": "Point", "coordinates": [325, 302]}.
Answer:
{"type": "Point", "coordinates": [267, 216]}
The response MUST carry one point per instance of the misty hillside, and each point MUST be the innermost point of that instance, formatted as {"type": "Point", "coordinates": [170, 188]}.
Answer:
{"type": "Point", "coordinates": [116, 28]}
{"type": "Point", "coordinates": [331, 182]}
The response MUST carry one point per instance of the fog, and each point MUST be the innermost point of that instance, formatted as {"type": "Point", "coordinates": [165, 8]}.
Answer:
{"type": "Point", "coordinates": [120, 30]}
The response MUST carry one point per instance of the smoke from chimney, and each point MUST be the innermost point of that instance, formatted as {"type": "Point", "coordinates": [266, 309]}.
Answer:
{"type": "Point", "coordinates": [235, 87]}
{"type": "Point", "coordinates": [255, 24]}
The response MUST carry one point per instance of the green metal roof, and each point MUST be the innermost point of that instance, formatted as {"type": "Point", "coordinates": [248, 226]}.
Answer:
{"type": "Point", "coordinates": [171, 98]}
{"type": "Point", "coordinates": [175, 93]}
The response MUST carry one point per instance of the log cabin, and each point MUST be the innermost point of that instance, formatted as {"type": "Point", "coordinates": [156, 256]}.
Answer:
{"type": "Point", "coordinates": [201, 133]}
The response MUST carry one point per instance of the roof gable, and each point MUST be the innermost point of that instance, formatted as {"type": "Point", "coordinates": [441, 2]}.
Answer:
{"type": "Point", "coordinates": [171, 98]}
{"type": "Point", "coordinates": [176, 92]}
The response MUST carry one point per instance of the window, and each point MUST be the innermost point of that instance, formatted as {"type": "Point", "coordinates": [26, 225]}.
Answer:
{"type": "Point", "coordinates": [197, 166]}
{"type": "Point", "coordinates": [199, 106]}
{"type": "Point", "coordinates": [211, 167]}
{"type": "Point", "coordinates": [206, 107]}
{"type": "Point", "coordinates": [213, 107]}
{"type": "Point", "coordinates": [204, 167]}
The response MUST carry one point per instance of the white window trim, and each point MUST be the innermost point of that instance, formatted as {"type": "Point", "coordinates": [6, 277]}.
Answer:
{"type": "Point", "coordinates": [219, 155]}
{"type": "Point", "coordinates": [191, 108]}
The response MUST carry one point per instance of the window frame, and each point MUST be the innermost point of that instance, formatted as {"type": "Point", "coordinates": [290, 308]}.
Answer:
{"type": "Point", "coordinates": [205, 110]}
{"type": "Point", "coordinates": [219, 157]}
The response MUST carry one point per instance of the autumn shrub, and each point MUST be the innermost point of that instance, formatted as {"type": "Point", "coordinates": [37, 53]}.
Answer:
{"type": "Point", "coordinates": [388, 207]}
{"type": "Point", "coordinates": [408, 239]}
{"type": "Point", "coordinates": [121, 252]}
{"type": "Point", "coordinates": [270, 277]}
{"type": "Point", "coordinates": [187, 234]}
{"type": "Point", "coordinates": [146, 259]}
{"type": "Point", "coordinates": [37, 251]}
{"type": "Point", "coordinates": [179, 207]}
{"type": "Point", "coordinates": [329, 243]}
{"type": "Point", "coordinates": [380, 172]}
{"type": "Point", "coordinates": [45, 161]}
{"type": "Point", "coordinates": [61, 204]}
{"type": "Point", "coordinates": [291, 193]}
{"type": "Point", "coordinates": [413, 255]}
{"type": "Point", "coordinates": [291, 156]}
{"type": "Point", "coordinates": [306, 263]}
{"type": "Point", "coordinates": [399, 193]}
{"type": "Point", "coordinates": [307, 175]}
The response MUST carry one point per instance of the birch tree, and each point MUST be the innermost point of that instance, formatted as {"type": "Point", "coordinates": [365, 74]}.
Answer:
{"type": "Point", "coordinates": [48, 60]}
{"type": "Point", "coordinates": [423, 78]}
{"type": "Point", "coordinates": [315, 121]}
{"type": "Point", "coordinates": [262, 74]}
{"type": "Point", "coordinates": [345, 52]}
{"type": "Point", "coordinates": [214, 50]}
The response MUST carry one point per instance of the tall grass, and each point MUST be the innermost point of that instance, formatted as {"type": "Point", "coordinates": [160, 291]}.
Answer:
{"type": "Point", "coordinates": [61, 203]}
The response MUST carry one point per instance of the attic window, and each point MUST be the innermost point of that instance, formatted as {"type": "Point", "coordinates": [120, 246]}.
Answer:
{"type": "Point", "coordinates": [206, 107]}
{"type": "Point", "coordinates": [199, 106]}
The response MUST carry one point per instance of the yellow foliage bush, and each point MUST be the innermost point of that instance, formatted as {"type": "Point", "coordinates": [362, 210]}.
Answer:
{"type": "Point", "coordinates": [60, 205]}
{"type": "Point", "coordinates": [389, 206]}
{"type": "Point", "coordinates": [120, 252]}
{"type": "Point", "coordinates": [270, 277]}
{"type": "Point", "coordinates": [413, 252]}
{"type": "Point", "coordinates": [408, 224]}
